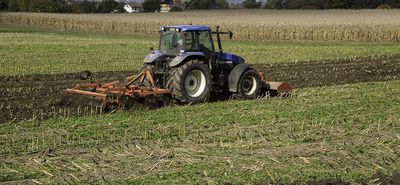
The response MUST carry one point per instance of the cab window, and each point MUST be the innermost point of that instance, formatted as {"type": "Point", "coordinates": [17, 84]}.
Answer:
{"type": "Point", "coordinates": [190, 44]}
{"type": "Point", "coordinates": [171, 42]}
{"type": "Point", "coordinates": [205, 43]}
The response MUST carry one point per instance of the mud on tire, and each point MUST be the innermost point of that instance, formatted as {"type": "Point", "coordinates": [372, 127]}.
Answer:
{"type": "Point", "coordinates": [190, 82]}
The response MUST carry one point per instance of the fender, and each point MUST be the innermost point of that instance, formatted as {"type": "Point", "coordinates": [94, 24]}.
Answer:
{"type": "Point", "coordinates": [183, 56]}
{"type": "Point", "coordinates": [230, 57]}
{"type": "Point", "coordinates": [235, 75]}
{"type": "Point", "coordinates": [154, 55]}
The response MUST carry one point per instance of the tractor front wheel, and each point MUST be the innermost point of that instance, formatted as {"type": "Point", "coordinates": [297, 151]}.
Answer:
{"type": "Point", "coordinates": [190, 82]}
{"type": "Point", "coordinates": [249, 85]}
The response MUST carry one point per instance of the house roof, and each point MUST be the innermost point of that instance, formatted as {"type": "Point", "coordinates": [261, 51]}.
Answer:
{"type": "Point", "coordinates": [188, 27]}
{"type": "Point", "coordinates": [134, 5]}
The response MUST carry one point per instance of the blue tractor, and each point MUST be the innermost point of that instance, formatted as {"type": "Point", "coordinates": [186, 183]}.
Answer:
{"type": "Point", "coordinates": [188, 67]}
{"type": "Point", "coordinates": [188, 64]}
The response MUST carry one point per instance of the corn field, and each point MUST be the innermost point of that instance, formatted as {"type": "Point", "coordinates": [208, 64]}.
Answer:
{"type": "Point", "coordinates": [319, 25]}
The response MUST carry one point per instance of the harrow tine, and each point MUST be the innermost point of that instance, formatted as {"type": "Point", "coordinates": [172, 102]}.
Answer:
{"type": "Point", "coordinates": [114, 94]}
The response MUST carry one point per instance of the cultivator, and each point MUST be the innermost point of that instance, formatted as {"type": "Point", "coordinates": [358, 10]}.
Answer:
{"type": "Point", "coordinates": [119, 92]}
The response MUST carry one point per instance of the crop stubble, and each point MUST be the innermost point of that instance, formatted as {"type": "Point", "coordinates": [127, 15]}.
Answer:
{"type": "Point", "coordinates": [42, 96]}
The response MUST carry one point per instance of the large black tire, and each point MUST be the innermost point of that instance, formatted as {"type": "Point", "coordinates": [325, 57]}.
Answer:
{"type": "Point", "coordinates": [190, 82]}
{"type": "Point", "coordinates": [249, 85]}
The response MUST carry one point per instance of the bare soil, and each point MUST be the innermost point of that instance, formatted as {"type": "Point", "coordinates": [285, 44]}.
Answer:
{"type": "Point", "coordinates": [334, 72]}
{"type": "Point", "coordinates": [30, 97]}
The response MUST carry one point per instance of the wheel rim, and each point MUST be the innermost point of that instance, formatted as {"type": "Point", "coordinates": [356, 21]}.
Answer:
{"type": "Point", "coordinates": [195, 83]}
{"type": "Point", "coordinates": [249, 85]}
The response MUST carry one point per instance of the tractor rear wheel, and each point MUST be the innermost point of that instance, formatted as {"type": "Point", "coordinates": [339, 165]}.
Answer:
{"type": "Point", "coordinates": [190, 82]}
{"type": "Point", "coordinates": [249, 85]}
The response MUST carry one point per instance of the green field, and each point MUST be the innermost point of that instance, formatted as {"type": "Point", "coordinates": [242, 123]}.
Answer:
{"type": "Point", "coordinates": [328, 132]}
{"type": "Point", "coordinates": [26, 50]}
{"type": "Point", "coordinates": [345, 132]}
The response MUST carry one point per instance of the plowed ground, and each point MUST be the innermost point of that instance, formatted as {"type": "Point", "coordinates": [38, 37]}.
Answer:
{"type": "Point", "coordinates": [42, 96]}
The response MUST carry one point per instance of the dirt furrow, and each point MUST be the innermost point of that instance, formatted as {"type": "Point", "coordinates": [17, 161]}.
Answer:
{"type": "Point", "coordinates": [28, 97]}
{"type": "Point", "coordinates": [334, 72]}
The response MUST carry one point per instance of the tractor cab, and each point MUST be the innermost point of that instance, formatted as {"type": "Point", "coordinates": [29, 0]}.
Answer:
{"type": "Point", "coordinates": [195, 41]}
{"type": "Point", "coordinates": [180, 39]}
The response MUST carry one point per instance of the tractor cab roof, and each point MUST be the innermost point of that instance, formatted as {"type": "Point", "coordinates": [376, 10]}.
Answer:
{"type": "Point", "coordinates": [187, 28]}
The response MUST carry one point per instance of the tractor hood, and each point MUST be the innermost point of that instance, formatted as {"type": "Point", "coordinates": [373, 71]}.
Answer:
{"type": "Point", "coordinates": [154, 55]}
{"type": "Point", "coordinates": [230, 57]}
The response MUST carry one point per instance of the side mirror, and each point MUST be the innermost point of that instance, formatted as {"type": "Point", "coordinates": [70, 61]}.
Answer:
{"type": "Point", "coordinates": [230, 34]}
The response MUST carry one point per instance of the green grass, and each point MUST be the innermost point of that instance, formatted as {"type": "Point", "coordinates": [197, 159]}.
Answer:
{"type": "Point", "coordinates": [26, 50]}
{"type": "Point", "coordinates": [347, 131]}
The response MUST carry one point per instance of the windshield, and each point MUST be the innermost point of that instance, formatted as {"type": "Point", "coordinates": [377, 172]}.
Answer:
{"type": "Point", "coordinates": [171, 42]}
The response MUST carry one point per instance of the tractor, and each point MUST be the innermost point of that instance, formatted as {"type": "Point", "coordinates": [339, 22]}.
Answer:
{"type": "Point", "coordinates": [187, 67]}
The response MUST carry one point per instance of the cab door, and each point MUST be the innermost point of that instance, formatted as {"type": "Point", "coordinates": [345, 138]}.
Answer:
{"type": "Point", "coordinates": [205, 43]}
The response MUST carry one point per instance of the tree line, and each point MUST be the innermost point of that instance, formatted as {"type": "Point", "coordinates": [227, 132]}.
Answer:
{"type": "Point", "coordinates": [60, 6]}
{"type": "Point", "coordinates": [323, 4]}
{"type": "Point", "coordinates": [107, 6]}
